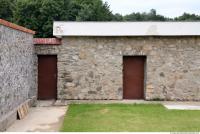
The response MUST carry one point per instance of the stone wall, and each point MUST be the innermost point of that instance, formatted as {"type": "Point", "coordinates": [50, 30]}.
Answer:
{"type": "Point", "coordinates": [18, 72]}
{"type": "Point", "coordinates": [91, 67]}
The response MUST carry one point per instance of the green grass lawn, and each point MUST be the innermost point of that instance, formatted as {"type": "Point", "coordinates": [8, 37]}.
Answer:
{"type": "Point", "coordinates": [129, 118]}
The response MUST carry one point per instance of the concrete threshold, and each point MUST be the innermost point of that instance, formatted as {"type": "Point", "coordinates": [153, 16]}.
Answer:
{"type": "Point", "coordinates": [179, 105]}
{"type": "Point", "coordinates": [45, 103]}
{"type": "Point", "coordinates": [66, 102]}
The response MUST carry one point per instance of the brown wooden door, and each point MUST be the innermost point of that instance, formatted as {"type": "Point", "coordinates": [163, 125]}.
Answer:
{"type": "Point", "coordinates": [133, 77]}
{"type": "Point", "coordinates": [47, 77]}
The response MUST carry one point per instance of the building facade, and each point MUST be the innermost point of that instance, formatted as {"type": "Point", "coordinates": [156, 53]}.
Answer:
{"type": "Point", "coordinates": [98, 61]}
{"type": "Point", "coordinates": [114, 61]}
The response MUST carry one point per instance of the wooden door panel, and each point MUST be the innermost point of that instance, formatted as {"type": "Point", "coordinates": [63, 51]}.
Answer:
{"type": "Point", "coordinates": [47, 77]}
{"type": "Point", "coordinates": [133, 77]}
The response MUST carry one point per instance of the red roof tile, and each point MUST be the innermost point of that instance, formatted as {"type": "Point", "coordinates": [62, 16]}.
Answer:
{"type": "Point", "coordinates": [16, 27]}
{"type": "Point", "coordinates": [47, 41]}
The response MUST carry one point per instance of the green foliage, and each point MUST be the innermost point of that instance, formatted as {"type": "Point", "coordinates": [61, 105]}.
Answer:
{"type": "Point", "coordinates": [117, 17]}
{"type": "Point", "coordinates": [6, 7]}
{"type": "Point", "coordinates": [39, 15]}
{"type": "Point", "coordinates": [89, 10]}
{"type": "Point", "coordinates": [151, 16]}
{"type": "Point", "coordinates": [188, 17]}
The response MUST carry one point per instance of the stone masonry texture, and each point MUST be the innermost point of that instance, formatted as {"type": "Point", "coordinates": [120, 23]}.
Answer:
{"type": "Point", "coordinates": [18, 71]}
{"type": "Point", "coordinates": [91, 68]}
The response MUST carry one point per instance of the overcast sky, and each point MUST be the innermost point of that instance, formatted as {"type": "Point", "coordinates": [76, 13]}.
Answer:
{"type": "Point", "coordinates": [169, 8]}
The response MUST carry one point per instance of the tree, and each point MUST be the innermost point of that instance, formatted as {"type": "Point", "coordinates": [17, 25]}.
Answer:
{"type": "Point", "coordinates": [6, 7]}
{"type": "Point", "coordinates": [117, 17]}
{"type": "Point", "coordinates": [89, 10]}
{"type": "Point", "coordinates": [188, 17]}
{"type": "Point", "coordinates": [151, 16]}
{"type": "Point", "coordinates": [40, 14]}
{"type": "Point", "coordinates": [133, 17]}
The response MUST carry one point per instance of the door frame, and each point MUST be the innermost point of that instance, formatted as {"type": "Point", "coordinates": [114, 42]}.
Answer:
{"type": "Point", "coordinates": [145, 74]}
{"type": "Point", "coordinates": [56, 73]}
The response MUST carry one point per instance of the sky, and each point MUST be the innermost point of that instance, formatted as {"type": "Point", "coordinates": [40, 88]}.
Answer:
{"type": "Point", "coordinates": [168, 8]}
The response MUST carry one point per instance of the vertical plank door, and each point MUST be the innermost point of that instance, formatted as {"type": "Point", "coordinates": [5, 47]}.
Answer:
{"type": "Point", "coordinates": [47, 77]}
{"type": "Point", "coordinates": [133, 77]}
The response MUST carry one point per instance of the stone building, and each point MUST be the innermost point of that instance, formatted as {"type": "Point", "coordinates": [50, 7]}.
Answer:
{"type": "Point", "coordinates": [98, 61]}
{"type": "Point", "coordinates": [18, 70]}
{"type": "Point", "coordinates": [121, 60]}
